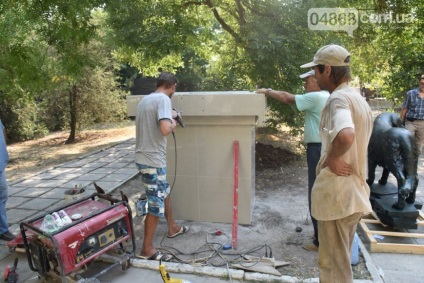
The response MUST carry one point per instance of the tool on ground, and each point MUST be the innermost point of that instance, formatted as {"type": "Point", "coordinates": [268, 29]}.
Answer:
{"type": "Point", "coordinates": [10, 275]}
{"type": "Point", "coordinates": [235, 195]}
{"type": "Point", "coordinates": [179, 119]}
{"type": "Point", "coordinates": [104, 224]}
{"type": "Point", "coordinates": [167, 278]}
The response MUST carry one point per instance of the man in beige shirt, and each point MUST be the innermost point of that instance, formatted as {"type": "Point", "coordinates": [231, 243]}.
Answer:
{"type": "Point", "coordinates": [340, 194]}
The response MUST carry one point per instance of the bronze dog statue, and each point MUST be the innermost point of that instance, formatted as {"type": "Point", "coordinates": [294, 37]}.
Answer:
{"type": "Point", "coordinates": [393, 147]}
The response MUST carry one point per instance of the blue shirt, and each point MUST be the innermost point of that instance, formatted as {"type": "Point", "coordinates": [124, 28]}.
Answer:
{"type": "Point", "coordinates": [414, 104]}
{"type": "Point", "coordinates": [312, 103]}
{"type": "Point", "coordinates": [4, 156]}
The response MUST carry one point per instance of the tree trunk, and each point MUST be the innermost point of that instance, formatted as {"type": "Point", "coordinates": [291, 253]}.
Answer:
{"type": "Point", "coordinates": [73, 114]}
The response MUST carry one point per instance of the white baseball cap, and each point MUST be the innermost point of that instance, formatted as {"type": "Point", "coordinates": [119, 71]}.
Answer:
{"type": "Point", "coordinates": [307, 74]}
{"type": "Point", "coordinates": [333, 55]}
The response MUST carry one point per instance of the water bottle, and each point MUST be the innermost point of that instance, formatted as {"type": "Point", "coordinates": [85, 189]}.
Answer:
{"type": "Point", "coordinates": [65, 218]}
{"type": "Point", "coordinates": [355, 250]}
{"type": "Point", "coordinates": [141, 206]}
{"type": "Point", "coordinates": [49, 224]}
{"type": "Point", "coordinates": [58, 220]}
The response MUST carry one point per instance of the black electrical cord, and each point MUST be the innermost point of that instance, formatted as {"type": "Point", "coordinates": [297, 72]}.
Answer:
{"type": "Point", "coordinates": [217, 256]}
{"type": "Point", "coordinates": [175, 173]}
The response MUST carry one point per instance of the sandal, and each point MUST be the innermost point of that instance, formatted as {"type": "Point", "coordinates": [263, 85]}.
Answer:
{"type": "Point", "coordinates": [158, 256]}
{"type": "Point", "coordinates": [182, 230]}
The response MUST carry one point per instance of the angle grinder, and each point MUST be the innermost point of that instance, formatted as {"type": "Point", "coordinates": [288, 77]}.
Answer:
{"type": "Point", "coordinates": [179, 119]}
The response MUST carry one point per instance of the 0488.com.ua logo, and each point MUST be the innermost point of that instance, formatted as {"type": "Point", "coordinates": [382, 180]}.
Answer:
{"type": "Point", "coordinates": [347, 19]}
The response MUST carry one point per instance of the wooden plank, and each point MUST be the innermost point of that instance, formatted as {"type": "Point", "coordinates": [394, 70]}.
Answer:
{"type": "Point", "coordinates": [376, 246]}
{"type": "Point", "coordinates": [398, 248]}
{"type": "Point", "coordinates": [368, 232]}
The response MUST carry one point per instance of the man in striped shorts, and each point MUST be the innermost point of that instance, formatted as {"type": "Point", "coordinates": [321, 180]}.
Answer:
{"type": "Point", "coordinates": [155, 120]}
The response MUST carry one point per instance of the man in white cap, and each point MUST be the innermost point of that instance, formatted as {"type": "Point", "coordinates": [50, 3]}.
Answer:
{"type": "Point", "coordinates": [340, 194]}
{"type": "Point", "coordinates": [312, 102]}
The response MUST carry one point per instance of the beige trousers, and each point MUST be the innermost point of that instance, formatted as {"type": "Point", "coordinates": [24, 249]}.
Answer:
{"type": "Point", "coordinates": [417, 129]}
{"type": "Point", "coordinates": [335, 246]}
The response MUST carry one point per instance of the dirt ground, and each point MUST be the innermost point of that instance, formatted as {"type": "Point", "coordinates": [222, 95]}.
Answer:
{"type": "Point", "coordinates": [281, 220]}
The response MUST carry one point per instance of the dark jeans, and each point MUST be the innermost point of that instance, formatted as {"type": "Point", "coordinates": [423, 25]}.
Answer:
{"type": "Point", "coordinates": [313, 154]}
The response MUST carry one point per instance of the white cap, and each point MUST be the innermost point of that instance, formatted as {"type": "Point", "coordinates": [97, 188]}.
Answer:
{"type": "Point", "coordinates": [307, 74]}
{"type": "Point", "coordinates": [333, 55]}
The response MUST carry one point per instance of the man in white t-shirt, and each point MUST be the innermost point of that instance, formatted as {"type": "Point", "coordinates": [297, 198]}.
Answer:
{"type": "Point", "coordinates": [155, 120]}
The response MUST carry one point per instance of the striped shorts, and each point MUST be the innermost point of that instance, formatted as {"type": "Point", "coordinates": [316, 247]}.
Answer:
{"type": "Point", "coordinates": [156, 187]}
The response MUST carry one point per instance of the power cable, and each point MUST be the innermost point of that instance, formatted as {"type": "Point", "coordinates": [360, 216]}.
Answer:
{"type": "Point", "coordinates": [215, 252]}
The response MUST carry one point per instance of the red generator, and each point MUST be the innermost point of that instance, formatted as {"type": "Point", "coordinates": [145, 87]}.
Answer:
{"type": "Point", "coordinates": [99, 223]}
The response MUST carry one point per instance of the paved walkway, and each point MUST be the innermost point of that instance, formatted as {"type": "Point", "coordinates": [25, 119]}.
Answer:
{"type": "Point", "coordinates": [113, 166]}
{"type": "Point", "coordinates": [109, 168]}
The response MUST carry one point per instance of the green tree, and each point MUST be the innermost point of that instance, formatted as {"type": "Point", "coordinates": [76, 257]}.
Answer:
{"type": "Point", "coordinates": [53, 48]}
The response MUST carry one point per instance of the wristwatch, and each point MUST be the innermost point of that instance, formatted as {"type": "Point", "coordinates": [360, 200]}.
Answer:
{"type": "Point", "coordinates": [268, 90]}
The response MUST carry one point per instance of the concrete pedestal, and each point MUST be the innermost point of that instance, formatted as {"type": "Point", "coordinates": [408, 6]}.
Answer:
{"type": "Point", "coordinates": [203, 190]}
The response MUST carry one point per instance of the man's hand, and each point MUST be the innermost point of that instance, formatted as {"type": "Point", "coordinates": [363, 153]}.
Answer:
{"type": "Point", "coordinates": [174, 114]}
{"type": "Point", "coordinates": [338, 166]}
{"type": "Point", "coordinates": [177, 117]}
{"type": "Point", "coordinates": [263, 90]}
{"type": "Point", "coordinates": [340, 145]}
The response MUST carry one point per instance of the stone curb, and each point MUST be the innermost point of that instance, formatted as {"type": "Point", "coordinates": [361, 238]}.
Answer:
{"type": "Point", "coordinates": [225, 273]}
{"type": "Point", "coordinates": [369, 263]}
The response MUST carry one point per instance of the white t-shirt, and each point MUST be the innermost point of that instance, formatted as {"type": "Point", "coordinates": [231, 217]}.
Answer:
{"type": "Point", "coordinates": [150, 144]}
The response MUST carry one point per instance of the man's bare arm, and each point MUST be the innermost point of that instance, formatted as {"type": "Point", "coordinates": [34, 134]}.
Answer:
{"type": "Point", "coordinates": [340, 145]}
{"type": "Point", "coordinates": [167, 126]}
{"type": "Point", "coordinates": [282, 96]}
{"type": "Point", "coordinates": [403, 114]}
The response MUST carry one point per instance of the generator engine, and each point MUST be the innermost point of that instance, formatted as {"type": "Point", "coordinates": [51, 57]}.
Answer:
{"type": "Point", "coordinates": [95, 229]}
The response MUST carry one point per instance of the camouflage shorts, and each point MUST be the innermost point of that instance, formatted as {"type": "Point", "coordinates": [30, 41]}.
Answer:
{"type": "Point", "coordinates": [156, 187]}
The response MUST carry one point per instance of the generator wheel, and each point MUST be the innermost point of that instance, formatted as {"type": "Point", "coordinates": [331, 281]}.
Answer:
{"type": "Point", "coordinates": [126, 264]}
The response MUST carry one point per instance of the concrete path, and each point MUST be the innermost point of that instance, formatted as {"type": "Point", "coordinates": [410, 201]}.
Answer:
{"type": "Point", "coordinates": [112, 167]}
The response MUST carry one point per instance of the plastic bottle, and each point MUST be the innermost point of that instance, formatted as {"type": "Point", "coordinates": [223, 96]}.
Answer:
{"type": "Point", "coordinates": [49, 224]}
{"type": "Point", "coordinates": [65, 217]}
{"type": "Point", "coordinates": [355, 250]}
{"type": "Point", "coordinates": [58, 220]}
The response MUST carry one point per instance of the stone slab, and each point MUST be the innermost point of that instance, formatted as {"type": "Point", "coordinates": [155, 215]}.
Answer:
{"type": "Point", "coordinates": [15, 189]}
{"type": "Point", "coordinates": [32, 192]}
{"type": "Point", "coordinates": [116, 177]}
{"type": "Point", "coordinates": [90, 177]}
{"type": "Point", "coordinates": [384, 206]}
{"type": "Point", "coordinates": [15, 201]}
{"type": "Point", "coordinates": [16, 215]}
{"type": "Point", "coordinates": [50, 183]}
{"type": "Point", "coordinates": [382, 190]}
{"type": "Point", "coordinates": [38, 203]}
